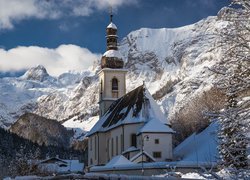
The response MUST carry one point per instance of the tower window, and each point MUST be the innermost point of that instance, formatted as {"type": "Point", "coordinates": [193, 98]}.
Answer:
{"type": "Point", "coordinates": [114, 84]}
{"type": "Point", "coordinates": [114, 88]}
{"type": "Point", "coordinates": [157, 141]}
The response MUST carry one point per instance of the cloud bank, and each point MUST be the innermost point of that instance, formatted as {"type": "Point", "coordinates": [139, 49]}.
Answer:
{"type": "Point", "coordinates": [56, 61]}
{"type": "Point", "coordinates": [13, 11]}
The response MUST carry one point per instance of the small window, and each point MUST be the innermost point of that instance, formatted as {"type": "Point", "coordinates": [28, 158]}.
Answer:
{"type": "Point", "coordinates": [108, 149]}
{"type": "Point", "coordinates": [62, 165]}
{"type": "Point", "coordinates": [112, 147]}
{"type": "Point", "coordinates": [157, 141]}
{"type": "Point", "coordinates": [91, 144]}
{"type": "Point", "coordinates": [157, 154]}
{"type": "Point", "coordinates": [133, 140]}
{"type": "Point", "coordinates": [116, 143]}
{"type": "Point", "coordinates": [122, 143]}
{"type": "Point", "coordinates": [95, 148]}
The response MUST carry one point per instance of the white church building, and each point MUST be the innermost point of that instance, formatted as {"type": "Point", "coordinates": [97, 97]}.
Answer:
{"type": "Point", "coordinates": [131, 124]}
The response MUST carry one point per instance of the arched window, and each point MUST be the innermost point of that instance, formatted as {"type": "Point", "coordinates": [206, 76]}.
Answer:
{"type": "Point", "coordinates": [114, 88]}
{"type": "Point", "coordinates": [114, 84]}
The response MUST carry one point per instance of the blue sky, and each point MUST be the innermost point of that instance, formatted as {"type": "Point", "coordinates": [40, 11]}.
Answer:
{"type": "Point", "coordinates": [48, 27]}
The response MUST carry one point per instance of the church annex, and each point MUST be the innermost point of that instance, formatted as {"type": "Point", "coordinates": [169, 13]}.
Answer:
{"type": "Point", "coordinates": [131, 124]}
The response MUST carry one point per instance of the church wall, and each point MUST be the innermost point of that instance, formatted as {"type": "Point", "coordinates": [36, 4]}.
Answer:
{"type": "Point", "coordinates": [116, 134]}
{"type": "Point", "coordinates": [130, 129]}
{"type": "Point", "coordinates": [120, 141]}
{"type": "Point", "coordinates": [91, 150]}
{"type": "Point", "coordinates": [164, 146]}
{"type": "Point", "coordinates": [102, 154]}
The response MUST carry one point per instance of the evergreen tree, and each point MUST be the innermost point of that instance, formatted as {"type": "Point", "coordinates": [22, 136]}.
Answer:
{"type": "Point", "coordinates": [234, 77]}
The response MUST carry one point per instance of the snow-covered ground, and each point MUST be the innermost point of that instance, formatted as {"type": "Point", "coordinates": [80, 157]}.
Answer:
{"type": "Point", "coordinates": [200, 147]}
{"type": "Point", "coordinates": [223, 174]}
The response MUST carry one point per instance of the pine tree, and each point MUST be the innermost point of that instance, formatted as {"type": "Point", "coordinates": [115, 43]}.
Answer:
{"type": "Point", "coordinates": [234, 77]}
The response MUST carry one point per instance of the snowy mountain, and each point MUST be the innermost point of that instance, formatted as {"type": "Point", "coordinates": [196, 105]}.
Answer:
{"type": "Point", "coordinates": [173, 63]}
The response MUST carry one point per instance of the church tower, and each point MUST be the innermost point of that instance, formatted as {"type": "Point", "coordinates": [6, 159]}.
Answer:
{"type": "Point", "coordinates": [112, 76]}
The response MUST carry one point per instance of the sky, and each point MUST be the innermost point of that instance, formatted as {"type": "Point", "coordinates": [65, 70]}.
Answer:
{"type": "Point", "coordinates": [65, 35]}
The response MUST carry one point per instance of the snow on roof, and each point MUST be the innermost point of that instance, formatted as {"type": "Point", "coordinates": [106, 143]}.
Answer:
{"type": "Point", "coordinates": [67, 166]}
{"type": "Point", "coordinates": [140, 153]}
{"type": "Point", "coordinates": [118, 160]}
{"type": "Point", "coordinates": [155, 109]}
{"type": "Point", "coordinates": [200, 147]}
{"type": "Point", "coordinates": [53, 159]}
{"type": "Point", "coordinates": [132, 108]}
{"type": "Point", "coordinates": [112, 25]}
{"type": "Point", "coordinates": [155, 126]}
{"type": "Point", "coordinates": [157, 165]}
{"type": "Point", "coordinates": [130, 149]}
{"type": "Point", "coordinates": [113, 53]}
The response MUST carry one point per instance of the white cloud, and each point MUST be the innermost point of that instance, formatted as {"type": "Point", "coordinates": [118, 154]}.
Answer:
{"type": "Point", "coordinates": [56, 61]}
{"type": "Point", "coordinates": [15, 10]}
{"type": "Point", "coordinates": [12, 11]}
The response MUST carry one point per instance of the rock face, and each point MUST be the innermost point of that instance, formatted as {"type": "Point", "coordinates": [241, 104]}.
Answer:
{"type": "Point", "coordinates": [174, 63]}
{"type": "Point", "coordinates": [41, 130]}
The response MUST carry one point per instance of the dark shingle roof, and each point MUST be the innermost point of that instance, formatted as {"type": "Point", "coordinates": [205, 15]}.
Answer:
{"type": "Point", "coordinates": [132, 100]}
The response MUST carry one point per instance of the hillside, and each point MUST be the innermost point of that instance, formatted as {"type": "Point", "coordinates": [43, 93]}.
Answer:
{"type": "Point", "coordinates": [42, 131]}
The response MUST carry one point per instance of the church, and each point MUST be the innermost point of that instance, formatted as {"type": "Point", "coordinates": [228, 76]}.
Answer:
{"type": "Point", "coordinates": [130, 124]}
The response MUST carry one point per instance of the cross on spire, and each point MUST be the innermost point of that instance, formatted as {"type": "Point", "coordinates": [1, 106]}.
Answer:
{"type": "Point", "coordinates": [111, 13]}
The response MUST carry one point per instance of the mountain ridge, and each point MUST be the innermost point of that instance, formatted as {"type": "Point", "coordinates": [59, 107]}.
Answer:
{"type": "Point", "coordinates": [174, 63]}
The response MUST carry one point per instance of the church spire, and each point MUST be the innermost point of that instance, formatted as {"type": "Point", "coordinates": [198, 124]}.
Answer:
{"type": "Point", "coordinates": [111, 34]}
{"type": "Point", "coordinates": [112, 57]}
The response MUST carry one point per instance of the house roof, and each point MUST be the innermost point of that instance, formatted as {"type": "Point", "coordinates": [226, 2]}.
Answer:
{"type": "Point", "coordinates": [134, 107]}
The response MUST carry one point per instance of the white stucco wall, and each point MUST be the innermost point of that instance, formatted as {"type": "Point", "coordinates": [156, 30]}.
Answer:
{"type": "Point", "coordinates": [164, 146]}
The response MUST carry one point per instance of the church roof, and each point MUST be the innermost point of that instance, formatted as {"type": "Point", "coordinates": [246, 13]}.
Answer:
{"type": "Point", "coordinates": [112, 25]}
{"type": "Point", "coordinates": [134, 107]}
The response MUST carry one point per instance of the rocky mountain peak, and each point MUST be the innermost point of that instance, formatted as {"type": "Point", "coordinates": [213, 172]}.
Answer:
{"type": "Point", "coordinates": [38, 73]}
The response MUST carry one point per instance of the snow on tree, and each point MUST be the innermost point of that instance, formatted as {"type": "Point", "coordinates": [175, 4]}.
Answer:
{"type": "Point", "coordinates": [234, 77]}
